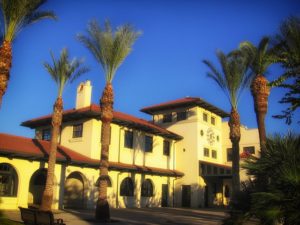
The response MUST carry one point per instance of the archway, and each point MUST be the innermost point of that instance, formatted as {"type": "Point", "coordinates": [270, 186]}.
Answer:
{"type": "Point", "coordinates": [75, 191]}
{"type": "Point", "coordinates": [8, 180]}
{"type": "Point", "coordinates": [37, 186]}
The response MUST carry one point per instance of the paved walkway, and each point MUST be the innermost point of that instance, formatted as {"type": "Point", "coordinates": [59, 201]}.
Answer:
{"type": "Point", "coordinates": [141, 216]}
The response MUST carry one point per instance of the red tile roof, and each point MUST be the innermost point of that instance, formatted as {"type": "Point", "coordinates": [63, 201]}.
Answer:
{"type": "Point", "coordinates": [184, 102]}
{"type": "Point", "coordinates": [93, 111]}
{"type": "Point", "coordinates": [33, 149]}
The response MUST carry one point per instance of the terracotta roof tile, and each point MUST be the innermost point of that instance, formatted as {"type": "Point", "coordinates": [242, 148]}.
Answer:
{"type": "Point", "coordinates": [93, 111]}
{"type": "Point", "coordinates": [184, 102]}
{"type": "Point", "coordinates": [33, 149]}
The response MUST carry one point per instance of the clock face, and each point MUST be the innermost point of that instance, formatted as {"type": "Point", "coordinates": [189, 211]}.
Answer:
{"type": "Point", "coordinates": [210, 135]}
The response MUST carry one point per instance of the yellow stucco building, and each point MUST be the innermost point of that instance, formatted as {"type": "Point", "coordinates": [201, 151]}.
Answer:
{"type": "Point", "coordinates": [181, 158]}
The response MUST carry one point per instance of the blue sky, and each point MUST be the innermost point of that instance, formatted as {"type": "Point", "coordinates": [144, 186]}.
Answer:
{"type": "Point", "coordinates": [165, 64]}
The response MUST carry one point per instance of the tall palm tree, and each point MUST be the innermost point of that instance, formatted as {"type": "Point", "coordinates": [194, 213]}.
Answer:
{"type": "Point", "coordinates": [14, 16]}
{"type": "Point", "coordinates": [110, 49]}
{"type": "Point", "coordinates": [62, 71]}
{"type": "Point", "coordinates": [232, 79]}
{"type": "Point", "coordinates": [261, 58]}
{"type": "Point", "coordinates": [287, 46]}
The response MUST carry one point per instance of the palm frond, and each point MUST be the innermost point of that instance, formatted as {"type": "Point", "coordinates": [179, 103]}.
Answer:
{"type": "Point", "coordinates": [109, 48]}
{"type": "Point", "coordinates": [18, 14]}
{"type": "Point", "coordinates": [233, 77]}
{"type": "Point", "coordinates": [260, 57]}
{"type": "Point", "coordinates": [64, 70]}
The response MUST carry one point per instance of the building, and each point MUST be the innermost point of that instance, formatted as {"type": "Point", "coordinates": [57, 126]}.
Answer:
{"type": "Point", "coordinates": [178, 159]}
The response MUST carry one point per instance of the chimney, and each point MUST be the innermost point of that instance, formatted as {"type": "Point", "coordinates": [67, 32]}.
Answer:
{"type": "Point", "coordinates": [84, 94]}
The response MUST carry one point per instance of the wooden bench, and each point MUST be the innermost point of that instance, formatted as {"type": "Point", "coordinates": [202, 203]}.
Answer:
{"type": "Point", "coordinates": [36, 217]}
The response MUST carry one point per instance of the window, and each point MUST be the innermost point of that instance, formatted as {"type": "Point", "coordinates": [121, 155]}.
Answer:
{"type": "Point", "coordinates": [208, 169]}
{"type": "Point", "coordinates": [205, 117]}
{"type": "Point", "coordinates": [206, 152]}
{"type": "Point", "coordinates": [77, 130]}
{"type": "Point", "coordinates": [167, 118]}
{"type": "Point", "coordinates": [249, 149]}
{"type": "Point", "coordinates": [147, 188]}
{"type": "Point", "coordinates": [229, 154]}
{"type": "Point", "coordinates": [166, 148]}
{"type": "Point", "coordinates": [46, 134]}
{"type": "Point", "coordinates": [148, 143]}
{"type": "Point", "coordinates": [215, 170]}
{"type": "Point", "coordinates": [8, 180]}
{"type": "Point", "coordinates": [181, 116]}
{"type": "Point", "coordinates": [213, 120]}
{"type": "Point", "coordinates": [128, 142]}
{"type": "Point", "coordinates": [126, 188]}
{"type": "Point", "coordinates": [214, 154]}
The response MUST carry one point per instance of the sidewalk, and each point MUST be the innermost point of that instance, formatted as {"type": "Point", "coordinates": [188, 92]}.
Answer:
{"type": "Point", "coordinates": [139, 216]}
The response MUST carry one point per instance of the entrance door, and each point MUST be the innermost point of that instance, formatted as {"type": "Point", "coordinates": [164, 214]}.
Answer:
{"type": "Point", "coordinates": [164, 195]}
{"type": "Point", "coordinates": [186, 195]}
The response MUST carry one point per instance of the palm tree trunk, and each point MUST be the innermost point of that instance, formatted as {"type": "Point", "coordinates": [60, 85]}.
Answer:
{"type": "Point", "coordinates": [235, 136]}
{"type": "Point", "coordinates": [56, 123]}
{"type": "Point", "coordinates": [260, 92]}
{"type": "Point", "coordinates": [5, 65]}
{"type": "Point", "coordinates": [106, 104]}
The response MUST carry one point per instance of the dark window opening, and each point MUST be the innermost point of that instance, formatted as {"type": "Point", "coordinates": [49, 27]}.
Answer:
{"type": "Point", "coordinates": [148, 143]}
{"type": "Point", "coordinates": [181, 116]}
{"type": "Point", "coordinates": [208, 169]}
{"type": "Point", "coordinates": [249, 149]}
{"type": "Point", "coordinates": [126, 188]}
{"type": "Point", "coordinates": [205, 117]}
{"type": "Point", "coordinates": [213, 120]}
{"type": "Point", "coordinates": [167, 118]}
{"type": "Point", "coordinates": [77, 130]}
{"type": "Point", "coordinates": [166, 148]}
{"type": "Point", "coordinates": [128, 142]}
{"type": "Point", "coordinates": [214, 154]}
{"type": "Point", "coordinates": [46, 134]}
{"type": "Point", "coordinates": [147, 188]}
{"type": "Point", "coordinates": [206, 152]}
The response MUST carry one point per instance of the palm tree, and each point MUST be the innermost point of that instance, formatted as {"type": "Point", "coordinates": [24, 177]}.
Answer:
{"type": "Point", "coordinates": [16, 15]}
{"type": "Point", "coordinates": [280, 201]}
{"type": "Point", "coordinates": [287, 46]}
{"type": "Point", "coordinates": [232, 80]}
{"type": "Point", "coordinates": [62, 71]}
{"type": "Point", "coordinates": [110, 49]}
{"type": "Point", "coordinates": [261, 58]}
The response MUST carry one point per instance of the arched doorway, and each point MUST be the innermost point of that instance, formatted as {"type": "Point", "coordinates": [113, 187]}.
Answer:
{"type": "Point", "coordinates": [75, 191]}
{"type": "Point", "coordinates": [37, 186]}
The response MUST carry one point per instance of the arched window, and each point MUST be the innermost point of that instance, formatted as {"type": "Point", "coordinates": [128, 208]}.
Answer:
{"type": "Point", "coordinates": [108, 182]}
{"type": "Point", "coordinates": [8, 180]}
{"type": "Point", "coordinates": [147, 188]}
{"type": "Point", "coordinates": [126, 187]}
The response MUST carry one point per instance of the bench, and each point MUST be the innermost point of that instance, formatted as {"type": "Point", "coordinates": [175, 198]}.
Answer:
{"type": "Point", "coordinates": [36, 217]}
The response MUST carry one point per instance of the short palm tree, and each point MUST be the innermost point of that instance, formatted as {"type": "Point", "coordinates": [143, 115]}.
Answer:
{"type": "Point", "coordinates": [279, 202]}
{"type": "Point", "coordinates": [110, 49]}
{"type": "Point", "coordinates": [232, 80]}
{"type": "Point", "coordinates": [62, 71]}
{"type": "Point", "coordinates": [261, 58]}
{"type": "Point", "coordinates": [16, 15]}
